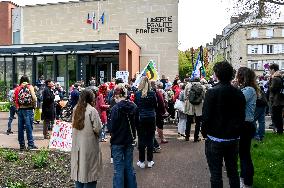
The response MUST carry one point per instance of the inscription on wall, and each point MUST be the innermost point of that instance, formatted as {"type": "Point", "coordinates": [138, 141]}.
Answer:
{"type": "Point", "coordinates": [158, 25]}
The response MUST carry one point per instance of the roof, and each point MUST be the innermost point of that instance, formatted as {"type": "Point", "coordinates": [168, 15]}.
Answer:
{"type": "Point", "coordinates": [61, 48]}
{"type": "Point", "coordinates": [57, 3]}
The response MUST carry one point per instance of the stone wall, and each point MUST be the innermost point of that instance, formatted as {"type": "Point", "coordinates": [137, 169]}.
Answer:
{"type": "Point", "coordinates": [66, 22]}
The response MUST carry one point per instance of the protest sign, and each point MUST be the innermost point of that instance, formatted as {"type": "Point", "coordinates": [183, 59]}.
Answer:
{"type": "Point", "coordinates": [123, 75]}
{"type": "Point", "coordinates": [61, 137]}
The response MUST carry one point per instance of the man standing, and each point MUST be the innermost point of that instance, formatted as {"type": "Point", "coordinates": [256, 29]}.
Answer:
{"type": "Point", "coordinates": [194, 96]}
{"type": "Point", "coordinates": [48, 107]}
{"type": "Point", "coordinates": [276, 97]}
{"type": "Point", "coordinates": [25, 100]}
{"type": "Point", "coordinates": [13, 109]}
{"type": "Point", "coordinates": [223, 118]}
{"type": "Point", "coordinates": [75, 95]}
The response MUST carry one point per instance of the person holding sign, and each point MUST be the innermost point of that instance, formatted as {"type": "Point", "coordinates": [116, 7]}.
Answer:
{"type": "Point", "coordinates": [86, 156]}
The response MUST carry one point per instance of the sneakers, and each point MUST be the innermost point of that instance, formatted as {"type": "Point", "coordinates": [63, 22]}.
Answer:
{"type": "Point", "coordinates": [150, 164]}
{"type": "Point", "coordinates": [9, 132]}
{"type": "Point", "coordinates": [22, 147]}
{"type": "Point", "coordinates": [32, 147]}
{"type": "Point", "coordinates": [157, 149]}
{"type": "Point", "coordinates": [140, 164]}
{"type": "Point", "coordinates": [111, 160]}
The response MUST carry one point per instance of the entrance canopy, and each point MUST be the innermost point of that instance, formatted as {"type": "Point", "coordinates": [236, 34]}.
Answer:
{"type": "Point", "coordinates": [104, 46]}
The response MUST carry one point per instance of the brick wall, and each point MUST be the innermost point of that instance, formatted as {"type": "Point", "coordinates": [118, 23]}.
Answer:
{"type": "Point", "coordinates": [6, 22]}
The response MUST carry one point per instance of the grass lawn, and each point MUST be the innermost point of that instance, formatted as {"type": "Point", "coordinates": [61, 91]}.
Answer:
{"type": "Point", "coordinates": [268, 159]}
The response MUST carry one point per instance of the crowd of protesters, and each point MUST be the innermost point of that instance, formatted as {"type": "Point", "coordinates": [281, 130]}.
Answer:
{"type": "Point", "coordinates": [225, 110]}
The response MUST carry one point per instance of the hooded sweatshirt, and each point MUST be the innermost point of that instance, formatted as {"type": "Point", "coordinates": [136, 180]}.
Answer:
{"type": "Point", "coordinates": [122, 123]}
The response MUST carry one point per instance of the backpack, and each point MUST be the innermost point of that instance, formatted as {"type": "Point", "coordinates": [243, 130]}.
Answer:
{"type": "Point", "coordinates": [195, 95]}
{"type": "Point", "coordinates": [25, 96]}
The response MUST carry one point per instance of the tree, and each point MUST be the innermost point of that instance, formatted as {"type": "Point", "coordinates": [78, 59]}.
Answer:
{"type": "Point", "coordinates": [184, 61]}
{"type": "Point", "coordinates": [209, 68]}
{"type": "Point", "coordinates": [256, 9]}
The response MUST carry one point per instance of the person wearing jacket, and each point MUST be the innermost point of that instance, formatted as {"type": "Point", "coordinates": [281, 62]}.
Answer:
{"type": "Point", "coordinates": [160, 111]}
{"type": "Point", "coordinates": [276, 97]}
{"type": "Point", "coordinates": [193, 110]}
{"type": "Point", "coordinates": [223, 118]}
{"type": "Point", "coordinates": [146, 101]}
{"type": "Point", "coordinates": [123, 133]}
{"type": "Point", "coordinates": [102, 108]}
{"type": "Point", "coordinates": [48, 107]}
{"type": "Point", "coordinates": [25, 112]}
{"type": "Point", "coordinates": [86, 156]}
{"type": "Point", "coordinates": [247, 82]}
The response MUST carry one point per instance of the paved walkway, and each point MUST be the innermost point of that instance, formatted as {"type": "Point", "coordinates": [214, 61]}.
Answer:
{"type": "Point", "coordinates": [180, 164]}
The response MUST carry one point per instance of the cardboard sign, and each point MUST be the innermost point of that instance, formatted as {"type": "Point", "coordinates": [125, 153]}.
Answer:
{"type": "Point", "coordinates": [61, 137]}
{"type": "Point", "coordinates": [123, 75]}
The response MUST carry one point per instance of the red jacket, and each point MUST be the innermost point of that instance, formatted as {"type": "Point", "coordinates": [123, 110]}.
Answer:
{"type": "Point", "coordinates": [102, 107]}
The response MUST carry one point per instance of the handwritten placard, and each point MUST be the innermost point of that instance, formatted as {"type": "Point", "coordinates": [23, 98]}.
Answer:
{"type": "Point", "coordinates": [61, 137]}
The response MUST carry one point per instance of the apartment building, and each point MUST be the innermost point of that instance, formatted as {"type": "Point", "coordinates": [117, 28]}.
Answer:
{"type": "Point", "coordinates": [251, 45]}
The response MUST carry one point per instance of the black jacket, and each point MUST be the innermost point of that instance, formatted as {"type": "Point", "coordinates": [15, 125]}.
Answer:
{"type": "Point", "coordinates": [122, 123]}
{"type": "Point", "coordinates": [223, 112]}
{"type": "Point", "coordinates": [48, 107]}
{"type": "Point", "coordinates": [275, 97]}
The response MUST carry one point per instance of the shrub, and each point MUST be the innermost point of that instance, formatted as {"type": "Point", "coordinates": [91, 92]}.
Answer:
{"type": "Point", "coordinates": [40, 159]}
{"type": "Point", "coordinates": [5, 107]}
{"type": "Point", "coordinates": [10, 155]}
{"type": "Point", "coordinates": [16, 185]}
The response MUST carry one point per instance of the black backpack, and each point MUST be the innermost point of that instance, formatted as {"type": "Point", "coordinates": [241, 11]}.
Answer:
{"type": "Point", "coordinates": [195, 95]}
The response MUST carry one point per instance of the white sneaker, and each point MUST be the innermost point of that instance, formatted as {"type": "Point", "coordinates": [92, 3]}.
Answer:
{"type": "Point", "coordinates": [111, 160]}
{"type": "Point", "coordinates": [242, 185]}
{"type": "Point", "coordinates": [140, 164]}
{"type": "Point", "coordinates": [150, 164]}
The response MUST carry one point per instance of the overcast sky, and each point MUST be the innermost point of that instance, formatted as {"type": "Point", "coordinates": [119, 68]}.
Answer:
{"type": "Point", "coordinates": [199, 20]}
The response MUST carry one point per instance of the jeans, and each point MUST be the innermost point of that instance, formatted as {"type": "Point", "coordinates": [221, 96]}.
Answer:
{"type": "Point", "coordinates": [146, 139]}
{"type": "Point", "coordinates": [247, 169]}
{"type": "Point", "coordinates": [189, 121]}
{"type": "Point", "coordinates": [25, 119]}
{"type": "Point", "coordinates": [86, 185]}
{"type": "Point", "coordinates": [124, 174]}
{"type": "Point", "coordinates": [277, 118]}
{"type": "Point", "coordinates": [103, 133]}
{"type": "Point", "coordinates": [215, 153]}
{"type": "Point", "coordinates": [13, 111]}
{"type": "Point", "coordinates": [260, 117]}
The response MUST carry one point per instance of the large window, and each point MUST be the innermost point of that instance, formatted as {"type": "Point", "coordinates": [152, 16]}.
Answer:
{"type": "Point", "coordinates": [61, 77]}
{"type": "Point", "coordinates": [71, 69]}
{"type": "Point", "coordinates": [40, 66]}
{"type": "Point", "coordinates": [49, 69]}
{"type": "Point", "coordinates": [9, 72]}
{"type": "Point", "coordinates": [20, 68]}
{"type": "Point", "coordinates": [2, 71]}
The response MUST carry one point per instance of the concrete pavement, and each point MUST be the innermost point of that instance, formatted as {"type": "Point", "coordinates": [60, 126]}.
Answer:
{"type": "Point", "coordinates": [180, 163]}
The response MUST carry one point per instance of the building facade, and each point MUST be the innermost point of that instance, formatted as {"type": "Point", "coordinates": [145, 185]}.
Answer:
{"type": "Point", "coordinates": [144, 30]}
{"type": "Point", "coordinates": [252, 45]}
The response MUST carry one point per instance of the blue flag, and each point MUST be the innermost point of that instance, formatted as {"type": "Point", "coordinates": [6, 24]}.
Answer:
{"type": "Point", "coordinates": [103, 18]}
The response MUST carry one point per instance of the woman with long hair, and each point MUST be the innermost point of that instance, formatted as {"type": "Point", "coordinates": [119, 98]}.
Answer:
{"type": "Point", "coordinates": [146, 101]}
{"type": "Point", "coordinates": [247, 82]}
{"type": "Point", "coordinates": [86, 157]}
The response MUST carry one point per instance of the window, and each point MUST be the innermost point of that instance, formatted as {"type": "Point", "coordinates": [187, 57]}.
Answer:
{"type": "Point", "coordinates": [253, 65]}
{"type": "Point", "coordinates": [254, 33]}
{"type": "Point", "coordinates": [253, 49]}
{"type": "Point", "coordinates": [283, 32]}
{"type": "Point", "coordinates": [16, 37]}
{"type": "Point", "coordinates": [269, 33]}
{"type": "Point", "coordinates": [269, 49]}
